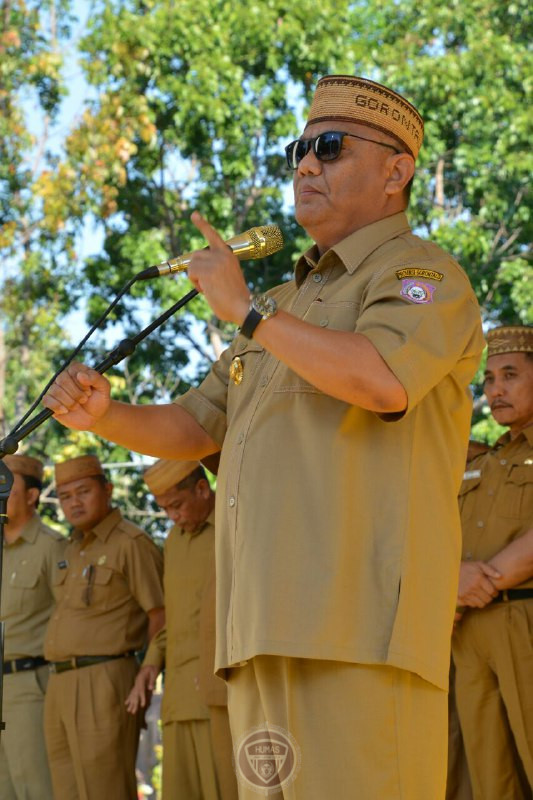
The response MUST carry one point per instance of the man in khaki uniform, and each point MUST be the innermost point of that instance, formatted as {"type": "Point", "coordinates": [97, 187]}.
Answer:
{"type": "Point", "coordinates": [109, 604]}
{"type": "Point", "coordinates": [181, 489]}
{"type": "Point", "coordinates": [32, 551]}
{"type": "Point", "coordinates": [342, 410]}
{"type": "Point", "coordinates": [492, 641]}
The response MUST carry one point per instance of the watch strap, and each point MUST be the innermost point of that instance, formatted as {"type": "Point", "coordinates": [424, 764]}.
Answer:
{"type": "Point", "coordinates": [252, 320]}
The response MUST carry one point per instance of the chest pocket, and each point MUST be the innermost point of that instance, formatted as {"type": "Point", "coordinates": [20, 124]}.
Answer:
{"type": "Point", "coordinates": [468, 496]}
{"type": "Point", "coordinates": [340, 315]}
{"type": "Point", "coordinates": [22, 586]}
{"type": "Point", "coordinates": [516, 495]}
{"type": "Point", "coordinates": [98, 588]}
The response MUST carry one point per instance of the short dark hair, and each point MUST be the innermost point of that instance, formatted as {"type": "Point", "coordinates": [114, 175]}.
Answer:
{"type": "Point", "coordinates": [190, 480]}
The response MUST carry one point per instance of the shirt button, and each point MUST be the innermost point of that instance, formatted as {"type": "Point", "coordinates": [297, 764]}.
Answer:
{"type": "Point", "coordinates": [324, 323]}
{"type": "Point", "coordinates": [264, 380]}
{"type": "Point", "coordinates": [490, 492]}
{"type": "Point", "coordinates": [503, 461]}
{"type": "Point", "coordinates": [468, 556]}
{"type": "Point", "coordinates": [317, 278]}
{"type": "Point", "coordinates": [240, 438]}
{"type": "Point", "coordinates": [232, 502]}
{"type": "Point", "coordinates": [480, 523]}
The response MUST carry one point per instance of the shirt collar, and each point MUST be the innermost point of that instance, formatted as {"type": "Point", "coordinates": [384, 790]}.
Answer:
{"type": "Point", "coordinates": [527, 433]}
{"type": "Point", "coordinates": [30, 530]}
{"type": "Point", "coordinates": [356, 247]}
{"type": "Point", "coordinates": [104, 528]}
{"type": "Point", "coordinates": [210, 520]}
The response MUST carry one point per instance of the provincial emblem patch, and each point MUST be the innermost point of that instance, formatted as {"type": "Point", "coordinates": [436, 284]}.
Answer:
{"type": "Point", "coordinates": [417, 291]}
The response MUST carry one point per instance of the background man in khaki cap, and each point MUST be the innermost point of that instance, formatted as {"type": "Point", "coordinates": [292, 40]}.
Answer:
{"type": "Point", "coordinates": [342, 409]}
{"type": "Point", "coordinates": [32, 551]}
{"type": "Point", "coordinates": [492, 642]}
{"type": "Point", "coordinates": [197, 755]}
{"type": "Point", "coordinates": [109, 604]}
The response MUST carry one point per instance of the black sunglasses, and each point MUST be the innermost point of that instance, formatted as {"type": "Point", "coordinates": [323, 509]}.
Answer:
{"type": "Point", "coordinates": [326, 146]}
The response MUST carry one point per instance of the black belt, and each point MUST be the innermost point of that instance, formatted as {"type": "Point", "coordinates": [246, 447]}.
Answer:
{"type": "Point", "coordinates": [513, 594]}
{"type": "Point", "coordinates": [23, 664]}
{"type": "Point", "coordinates": [84, 661]}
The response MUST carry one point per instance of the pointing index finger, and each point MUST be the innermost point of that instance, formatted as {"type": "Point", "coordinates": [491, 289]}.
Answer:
{"type": "Point", "coordinates": [216, 242]}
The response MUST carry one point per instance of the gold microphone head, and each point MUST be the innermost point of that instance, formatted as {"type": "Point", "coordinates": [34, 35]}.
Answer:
{"type": "Point", "coordinates": [265, 239]}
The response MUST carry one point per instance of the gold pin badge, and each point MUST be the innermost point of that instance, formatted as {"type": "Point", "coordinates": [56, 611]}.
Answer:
{"type": "Point", "coordinates": [101, 560]}
{"type": "Point", "coordinates": [236, 370]}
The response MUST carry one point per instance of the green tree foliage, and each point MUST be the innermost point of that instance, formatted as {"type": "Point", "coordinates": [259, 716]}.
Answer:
{"type": "Point", "coordinates": [37, 283]}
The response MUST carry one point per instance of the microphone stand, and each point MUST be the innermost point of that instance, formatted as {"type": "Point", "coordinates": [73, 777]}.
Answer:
{"type": "Point", "coordinates": [125, 348]}
{"type": "Point", "coordinates": [9, 445]}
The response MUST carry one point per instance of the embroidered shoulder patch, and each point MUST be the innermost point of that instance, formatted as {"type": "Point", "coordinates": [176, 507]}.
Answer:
{"type": "Point", "coordinates": [418, 272]}
{"type": "Point", "coordinates": [417, 291]}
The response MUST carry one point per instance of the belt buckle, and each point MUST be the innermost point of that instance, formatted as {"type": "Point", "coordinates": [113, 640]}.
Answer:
{"type": "Point", "coordinates": [52, 666]}
{"type": "Point", "coordinates": [505, 596]}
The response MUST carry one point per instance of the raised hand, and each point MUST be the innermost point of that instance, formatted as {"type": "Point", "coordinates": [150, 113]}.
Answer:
{"type": "Point", "coordinates": [216, 273]}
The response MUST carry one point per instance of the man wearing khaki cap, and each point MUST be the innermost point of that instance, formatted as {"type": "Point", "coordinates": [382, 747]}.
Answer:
{"type": "Point", "coordinates": [342, 409]}
{"type": "Point", "coordinates": [109, 604]}
{"type": "Point", "coordinates": [492, 642]}
{"type": "Point", "coordinates": [191, 744]}
{"type": "Point", "coordinates": [32, 552]}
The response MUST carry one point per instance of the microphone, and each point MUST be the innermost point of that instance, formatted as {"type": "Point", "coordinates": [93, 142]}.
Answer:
{"type": "Point", "coordinates": [254, 243]}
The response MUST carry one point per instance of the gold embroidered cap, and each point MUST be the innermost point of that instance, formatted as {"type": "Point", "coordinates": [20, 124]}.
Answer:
{"type": "Point", "coordinates": [76, 468]}
{"type": "Point", "coordinates": [510, 339]}
{"type": "Point", "coordinates": [25, 465]}
{"type": "Point", "coordinates": [165, 474]}
{"type": "Point", "coordinates": [348, 98]}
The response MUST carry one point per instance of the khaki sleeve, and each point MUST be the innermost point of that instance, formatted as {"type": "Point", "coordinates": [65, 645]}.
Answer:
{"type": "Point", "coordinates": [144, 572]}
{"type": "Point", "coordinates": [155, 655]}
{"type": "Point", "coordinates": [421, 327]}
{"type": "Point", "coordinates": [208, 402]}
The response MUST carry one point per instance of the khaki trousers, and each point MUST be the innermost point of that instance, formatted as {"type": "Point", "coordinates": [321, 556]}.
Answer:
{"type": "Point", "coordinates": [188, 761]}
{"type": "Point", "coordinates": [90, 737]}
{"type": "Point", "coordinates": [362, 732]}
{"type": "Point", "coordinates": [24, 773]}
{"type": "Point", "coordinates": [223, 752]}
{"type": "Point", "coordinates": [458, 786]}
{"type": "Point", "coordinates": [493, 655]}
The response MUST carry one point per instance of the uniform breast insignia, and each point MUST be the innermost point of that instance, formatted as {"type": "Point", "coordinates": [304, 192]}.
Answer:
{"type": "Point", "coordinates": [236, 371]}
{"type": "Point", "coordinates": [101, 561]}
{"type": "Point", "coordinates": [417, 291]}
{"type": "Point", "coordinates": [418, 272]}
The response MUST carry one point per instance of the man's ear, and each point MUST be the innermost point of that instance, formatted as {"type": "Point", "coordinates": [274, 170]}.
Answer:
{"type": "Point", "coordinates": [202, 488]}
{"type": "Point", "coordinates": [32, 496]}
{"type": "Point", "coordinates": [401, 168]}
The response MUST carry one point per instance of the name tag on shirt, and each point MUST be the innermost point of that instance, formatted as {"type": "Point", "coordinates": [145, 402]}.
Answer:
{"type": "Point", "coordinates": [472, 473]}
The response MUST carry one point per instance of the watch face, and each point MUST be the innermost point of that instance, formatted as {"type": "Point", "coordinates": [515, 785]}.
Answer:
{"type": "Point", "coordinates": [264, 305]}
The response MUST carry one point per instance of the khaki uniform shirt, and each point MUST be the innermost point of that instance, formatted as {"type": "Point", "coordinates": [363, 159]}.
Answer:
{"type": "Point", "coordinates": [496, 498]}
{"type": "Point", "coordinates": [177, 645]}
{"type": "Point", "coordinates": [29, 567]}
{"type": "Point", "coordinates": [111, 579]}
{"type": "Point", "coordinates": [338, 531]}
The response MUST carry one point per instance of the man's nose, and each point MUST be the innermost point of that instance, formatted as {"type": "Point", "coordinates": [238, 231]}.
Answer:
{"type": "Point", "coordinates": [309, 165]}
